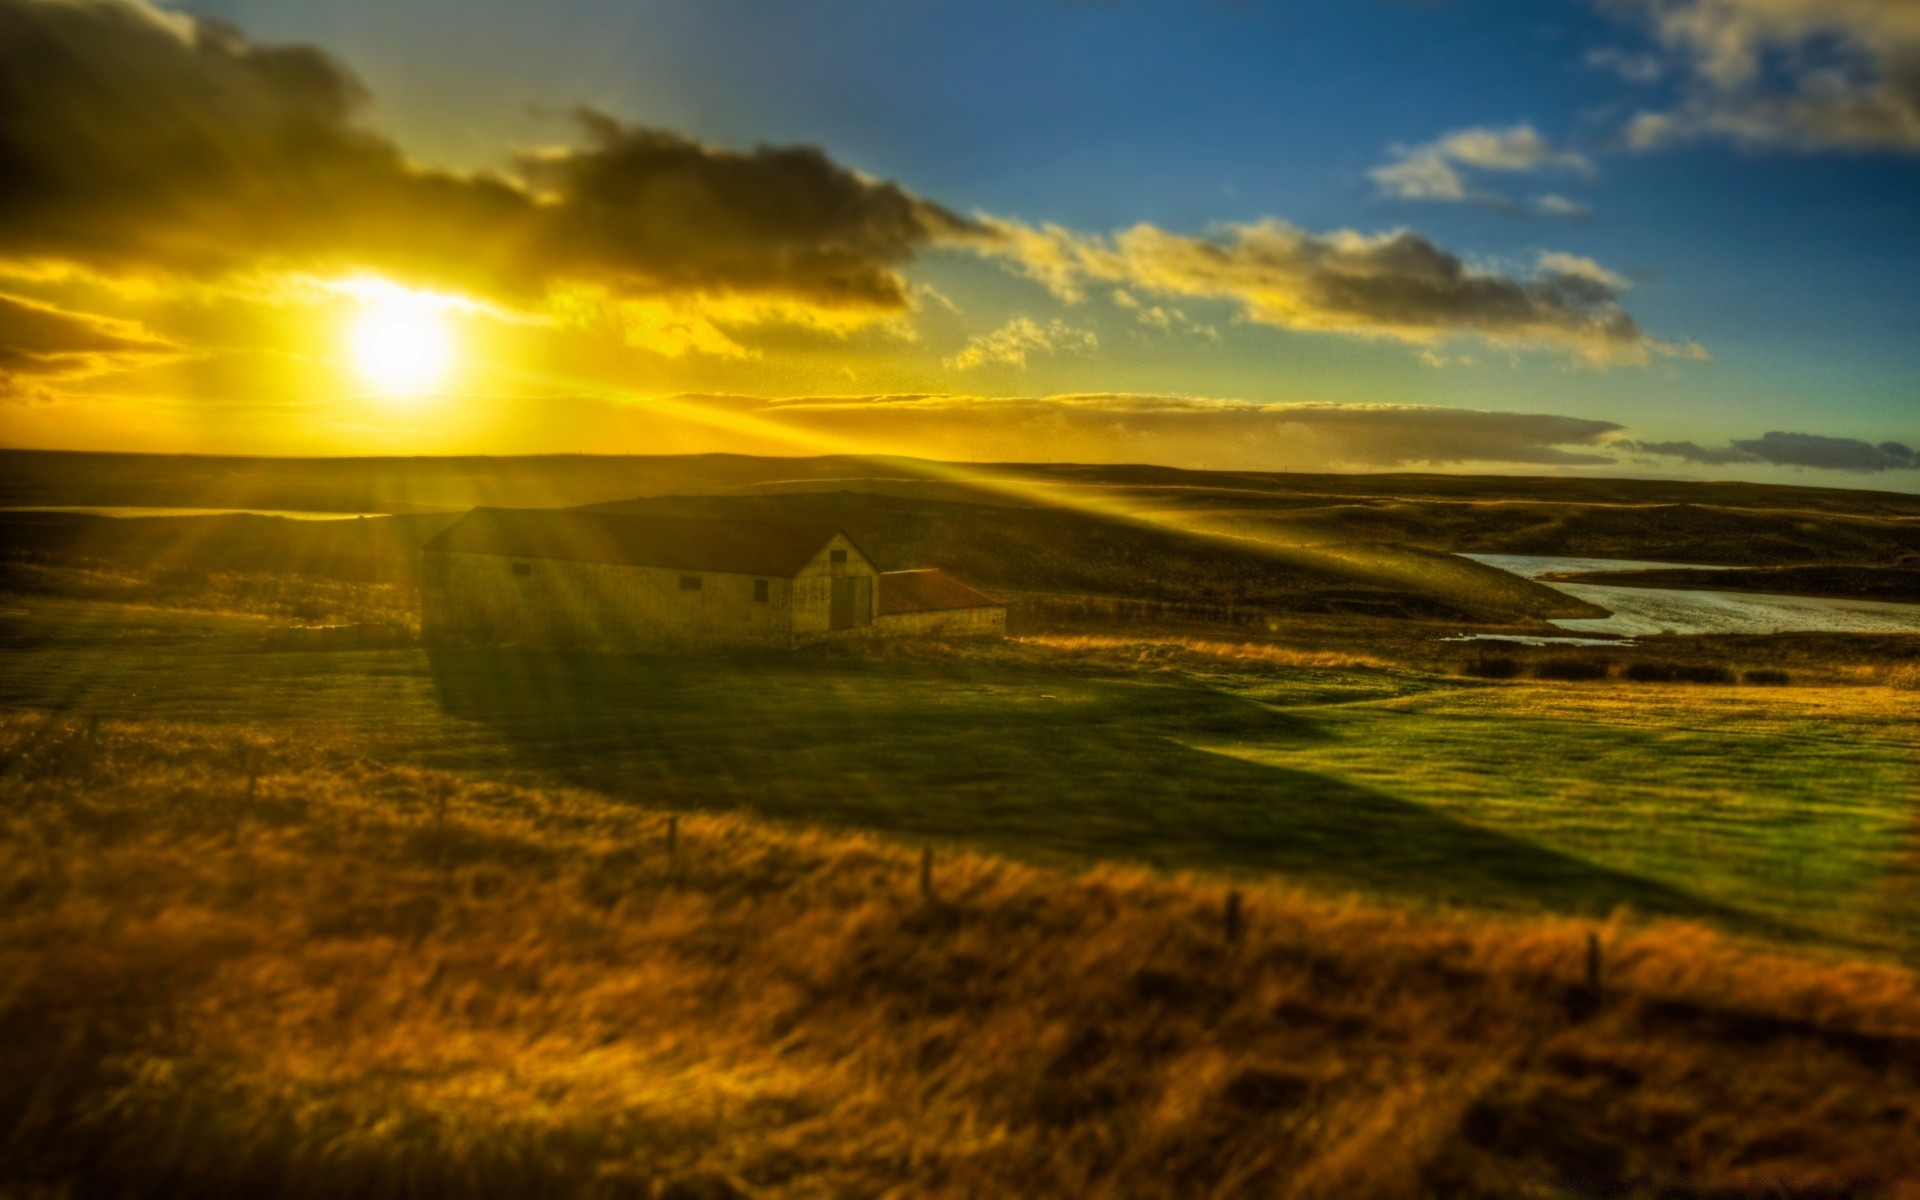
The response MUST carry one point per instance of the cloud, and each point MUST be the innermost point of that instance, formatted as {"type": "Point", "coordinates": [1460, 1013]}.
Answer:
{"type": "Point", "coordinates": [1175, 430]}
{"type": "Point", "coordinates": [1812, 74]}
{"type": "Point", "coordinates": [1634, 68]}
{"type": "Point", "coordinates": [1580, 267]}
{"type": "Point", "coordinates": [1794, 450]}
{"type": "Point", "coordinates": [1433, 171]}
{"type": "Point", "coordinates": [137, 142]}
{"type": "Point", "coordinates": [1160, 317]}
{"type": "Point", "coordinates": [41, 340]}
{"type": "Point", "coordinates": [1010, 344]}
{"type": "Point", "coordinates": [1394, 285]}
{"type": "Point", "coordinates": [1554, 205]}
{"type": "Point", "coordinates": [1692, 452]}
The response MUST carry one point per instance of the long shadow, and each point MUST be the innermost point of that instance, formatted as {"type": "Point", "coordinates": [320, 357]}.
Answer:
{"type": "Point", "coordinates": [1021, 760]}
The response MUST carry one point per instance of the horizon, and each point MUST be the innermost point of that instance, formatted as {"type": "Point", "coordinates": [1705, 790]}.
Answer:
{"type": "Point", "coordinates": [1863, 489]}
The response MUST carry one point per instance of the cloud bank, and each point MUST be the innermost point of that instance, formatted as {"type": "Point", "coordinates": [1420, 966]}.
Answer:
{"type": "Point", "coordinates": [1394, 285]}
{"type": "Point", "coordinates": [1174, 430]}
{"type": "Point", "coordinates": [1810, 450]}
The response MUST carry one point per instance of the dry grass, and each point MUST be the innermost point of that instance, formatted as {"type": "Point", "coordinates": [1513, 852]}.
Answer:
{"type": "Point", "coordinates": [1174, 650]}
{"type": "Point", "coordinates": [290, 599]}
{"type": "Point", "coordinates": [348, 978]}
{"type": "Point", "coordinates": [1905, 677]}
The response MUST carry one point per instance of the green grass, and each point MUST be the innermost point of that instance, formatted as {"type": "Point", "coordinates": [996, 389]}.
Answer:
{"type": "Point", "coordinates": [1766, 810]}
{"type": "Point", "coordinates": [1797, 804]}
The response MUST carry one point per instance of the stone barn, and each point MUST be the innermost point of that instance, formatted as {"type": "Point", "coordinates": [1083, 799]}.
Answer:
{"type": "Point", "coordinates": [566, 576]}
{"type": "Point", "coordinates": [557, 575]}
{"type": "Point", "coordinates": [932, 603]}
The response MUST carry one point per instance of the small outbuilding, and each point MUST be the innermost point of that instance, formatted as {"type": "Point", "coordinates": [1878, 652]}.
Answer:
{"type": "Point", "coordinates": [558, 576]}
{"type": "Point", "coordinates": [932, 603]}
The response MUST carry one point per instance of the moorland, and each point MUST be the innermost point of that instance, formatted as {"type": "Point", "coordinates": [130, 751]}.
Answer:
{"type": "Point", "coordinates": [321, 912]}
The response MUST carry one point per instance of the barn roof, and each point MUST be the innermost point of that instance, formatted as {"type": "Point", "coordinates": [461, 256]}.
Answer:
{"type": "Point", "coordinates": [636, 540]}
{"type": "Point", "coordinates": [929, 590]}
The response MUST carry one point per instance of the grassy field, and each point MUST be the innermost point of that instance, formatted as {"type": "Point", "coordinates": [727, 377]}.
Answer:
{"type": "Point", "coordinates": [1783, 812]}
{"type": "Point", "coordinates": [242, 959]}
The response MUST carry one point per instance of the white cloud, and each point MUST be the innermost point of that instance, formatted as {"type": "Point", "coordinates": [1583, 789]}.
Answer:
{"type": "Point", "coordinates": [1554, 205]}
{"type": "Point", "coordinates": [1436, 171]}
{"type": "Point", "coordinates": [1012, 343]}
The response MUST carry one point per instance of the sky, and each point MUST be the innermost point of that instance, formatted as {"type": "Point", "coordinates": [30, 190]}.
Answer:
{"type": "Point", "coordinates": [1647, 237]}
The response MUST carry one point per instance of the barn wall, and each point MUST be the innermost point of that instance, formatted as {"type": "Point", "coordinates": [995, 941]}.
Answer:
{"type": "Point", "coordinates": [952, 622]}
{"type": "Point", "coordinates": [813, 592]}
{"type": "Point", "coordinates": [481, 596]}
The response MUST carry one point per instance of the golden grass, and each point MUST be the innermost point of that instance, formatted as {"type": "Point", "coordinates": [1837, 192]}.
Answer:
{"type": "Point", "coordinates": [1188, 651]}
{"type": "Point", "coordinates": [1905, 677]}
{"type": "Point", "coordinates": [346, 978]}
{"type": "Point", "coordinates": [286, 599]}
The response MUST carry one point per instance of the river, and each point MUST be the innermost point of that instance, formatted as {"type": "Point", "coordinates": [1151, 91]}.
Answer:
{"type": "Point", "coordinates": [1638, 612]}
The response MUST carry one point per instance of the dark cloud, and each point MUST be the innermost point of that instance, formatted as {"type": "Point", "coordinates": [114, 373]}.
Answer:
{"type": "Point", "coordinates": [1397, 285]}
{"type": "Point", "coordinates": [135, 140]}
{"type": "Point", "coordinates": [1693, 452]}
{"type": "Point", "coordinates": [1828, 453]}
{"type": "Point", "coordinates": [39, 339]}
{"type": "Point", "coordinates": [669, 212]}
{"type": "Point", "coordinates": [1793, 450]}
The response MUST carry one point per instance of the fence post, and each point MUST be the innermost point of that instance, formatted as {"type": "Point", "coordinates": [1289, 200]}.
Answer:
{"type": "Point", "coordinates": [1593, 964]}
{"type": "Point", "coordinates": [1230, 918]}
{"type": "Point", "coordinates": [673, 835]}
{"type": "Point", "coordinates": [926, 873]}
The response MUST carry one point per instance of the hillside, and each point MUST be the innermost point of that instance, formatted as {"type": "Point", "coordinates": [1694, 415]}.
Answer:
{"type": "Point", "coordinates": [1732, 524]}
{"type": "Point", "coordinates": [1074, 551]}
{"type": "Point", "coordinates": [1026, 550]}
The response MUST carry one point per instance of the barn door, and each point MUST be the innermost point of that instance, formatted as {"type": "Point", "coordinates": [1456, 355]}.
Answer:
{"type": "Point", "coordinates": [844, 594]}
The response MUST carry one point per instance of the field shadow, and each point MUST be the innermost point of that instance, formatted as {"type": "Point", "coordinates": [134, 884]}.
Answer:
{"type": "Point", "coordinates": [1019, 760]}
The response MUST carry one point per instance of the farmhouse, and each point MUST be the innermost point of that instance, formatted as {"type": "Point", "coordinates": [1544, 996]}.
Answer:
{"type": "Point", "coordinates": [568, 576]}
{"type": "Point", "coordinates": [932, 603]}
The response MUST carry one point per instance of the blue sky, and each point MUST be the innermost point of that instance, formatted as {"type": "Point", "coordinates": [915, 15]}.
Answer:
{"type": "Point", "coordinates": [1766, 248]}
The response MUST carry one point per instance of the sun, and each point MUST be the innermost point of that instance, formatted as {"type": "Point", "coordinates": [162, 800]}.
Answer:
{"type": "Point", "coordinates": [401, 344]}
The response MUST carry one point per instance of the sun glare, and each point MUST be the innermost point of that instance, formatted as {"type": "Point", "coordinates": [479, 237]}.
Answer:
{"type": "Point", "coordinates": [402, 344]}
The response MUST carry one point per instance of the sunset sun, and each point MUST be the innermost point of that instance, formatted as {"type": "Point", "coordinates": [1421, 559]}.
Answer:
{"type": "Point", "coordinates": [401, 346]}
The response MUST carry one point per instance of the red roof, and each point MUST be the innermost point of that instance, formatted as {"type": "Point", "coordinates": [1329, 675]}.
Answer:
{"type": "Point", "coordinates": [929, 590]}
{"type": "Point", "coordinates": [627, 539]}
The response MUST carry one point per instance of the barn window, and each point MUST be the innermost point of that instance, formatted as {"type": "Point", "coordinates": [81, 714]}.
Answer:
{"type": "Point", "coordinates": [689, 583]}
{"type": "Point", "coordinates": [837, 557]}
{"type": "Point", "coordinates": [523, 568]}
{"type": "Point", "coordinates": [760, 590]}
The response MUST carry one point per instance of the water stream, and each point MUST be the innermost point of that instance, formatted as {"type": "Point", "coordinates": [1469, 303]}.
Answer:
{"type": "Point", "coordinates": [1638, 611]}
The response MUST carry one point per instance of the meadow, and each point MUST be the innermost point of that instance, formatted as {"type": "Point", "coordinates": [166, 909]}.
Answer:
{"type": "Point", "coordinates": [1781, 811]}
